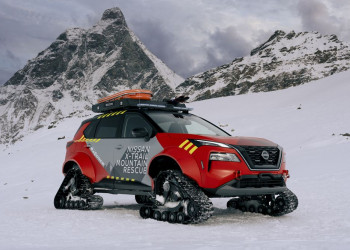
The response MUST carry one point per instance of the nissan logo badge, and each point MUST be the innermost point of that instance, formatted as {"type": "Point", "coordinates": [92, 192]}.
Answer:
{"type": "Point", "coordinates": [265, 155]}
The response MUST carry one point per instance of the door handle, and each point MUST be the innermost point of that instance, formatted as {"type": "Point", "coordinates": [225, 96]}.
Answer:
{"type": "Point", "coordinates": [119, 147]}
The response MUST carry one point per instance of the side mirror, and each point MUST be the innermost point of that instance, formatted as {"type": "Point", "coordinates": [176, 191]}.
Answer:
{"type": "Point", "coordinates": [140, 133]}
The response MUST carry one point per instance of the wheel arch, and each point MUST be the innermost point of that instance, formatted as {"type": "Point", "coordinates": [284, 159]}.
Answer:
{"type": "Point", "coordinates": [68, 166]}
{"type": "Point", "coordinates": [187, 165]}
{"type": "Point", "coordinates": [84, 163]}
{"type": "Point", "coordinates": [162, 162]}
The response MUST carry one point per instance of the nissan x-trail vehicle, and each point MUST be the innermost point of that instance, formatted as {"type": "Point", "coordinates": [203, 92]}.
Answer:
{"type": "Point", "coordinates": [172, 161]}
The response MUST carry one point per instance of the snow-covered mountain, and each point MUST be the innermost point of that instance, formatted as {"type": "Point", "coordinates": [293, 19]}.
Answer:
{"type": "Point", "coordinates": [77, 69]}
{"type": "Point", "coordinates": [284, 60]}
{"type": "Point", "coordinates": [311, 122]}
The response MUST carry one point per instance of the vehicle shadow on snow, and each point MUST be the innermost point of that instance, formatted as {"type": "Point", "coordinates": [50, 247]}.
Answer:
{"type": "Point", "coordinates": [132, 207]}
{"type": "Point", "coordinates": [233, 216]}
{"type": "Point", "coordinates": [220, 215]}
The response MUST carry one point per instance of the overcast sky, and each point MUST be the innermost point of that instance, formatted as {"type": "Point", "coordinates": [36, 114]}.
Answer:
{"type": "Point", "coordinates": [189, 36]}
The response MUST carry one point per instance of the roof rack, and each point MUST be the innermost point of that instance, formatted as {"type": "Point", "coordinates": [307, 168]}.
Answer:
{"type": "Point", "coordinates": [138, 104]}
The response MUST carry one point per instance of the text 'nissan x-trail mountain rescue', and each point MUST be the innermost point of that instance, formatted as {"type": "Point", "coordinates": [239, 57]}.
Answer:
{"type": "Point", "coordinates": [172, 161]}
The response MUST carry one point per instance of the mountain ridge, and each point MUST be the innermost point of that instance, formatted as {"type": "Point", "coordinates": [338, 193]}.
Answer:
{"type": "Point", "coordinates": [284, 60]}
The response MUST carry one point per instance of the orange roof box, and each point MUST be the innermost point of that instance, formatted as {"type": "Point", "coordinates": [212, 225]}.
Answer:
{"type": "Point", "coordinates": [139, 94]}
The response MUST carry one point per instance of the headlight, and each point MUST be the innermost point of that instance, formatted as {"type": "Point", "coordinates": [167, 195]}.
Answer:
{"type": "Point", "coordinates": [223, 157]}
{"type": "Point", "coordinates": [199, 143]}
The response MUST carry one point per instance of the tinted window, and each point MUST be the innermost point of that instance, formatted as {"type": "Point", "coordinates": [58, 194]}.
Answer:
{"type": "Point", "coordinates": [133, 121]}
{"type": "Point", "coordinates": [89, 131]}
{"type": "Point", "coordinates": [109, 127]}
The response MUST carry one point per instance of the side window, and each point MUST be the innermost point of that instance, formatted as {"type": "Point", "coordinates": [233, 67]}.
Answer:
{"type": "Point", "coordinates": [109, 127]}
{"type": "Point", "coordinates": [89, 132]}
{"type": "Point", "coordinates": [133, 121]}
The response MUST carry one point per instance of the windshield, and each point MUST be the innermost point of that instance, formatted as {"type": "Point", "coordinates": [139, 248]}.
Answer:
{"type": "Point", "coordinates": [185, 124]}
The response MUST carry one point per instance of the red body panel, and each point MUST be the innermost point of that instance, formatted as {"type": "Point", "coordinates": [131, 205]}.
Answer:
{"type": "Point", "coordinates": [79, 153]}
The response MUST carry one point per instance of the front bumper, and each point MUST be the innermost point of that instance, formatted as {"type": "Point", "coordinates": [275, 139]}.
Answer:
{"type": "Point", "coordinates": [250, 185]}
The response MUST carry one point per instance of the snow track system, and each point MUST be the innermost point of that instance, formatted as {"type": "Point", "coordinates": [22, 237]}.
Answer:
{"type": "Point", "coordinates": [275, 205]}
{"type": "Point", "coordinates": [76, 192]}
{"type": "Point", "coordinates": [177, 199]}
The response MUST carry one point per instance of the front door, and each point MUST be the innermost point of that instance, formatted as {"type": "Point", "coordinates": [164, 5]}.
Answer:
{"type": "Point", "coordinates": [125, 157]}
{"type": "Point", "coordinates": [132, 155]}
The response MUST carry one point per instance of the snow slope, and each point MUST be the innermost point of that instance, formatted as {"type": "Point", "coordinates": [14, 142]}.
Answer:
{"type": "Point", "coordinates": [317, 157]}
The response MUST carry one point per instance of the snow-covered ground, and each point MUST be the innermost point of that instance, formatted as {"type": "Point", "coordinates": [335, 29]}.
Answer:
{"type": "Point", "coordinates": [306, 120]}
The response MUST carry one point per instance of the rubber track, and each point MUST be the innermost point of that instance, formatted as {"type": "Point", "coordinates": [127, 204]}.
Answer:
{"type": "Point", "coordinates": [289, 198]}
{"type": "Point", "coordinates": [192, 191]}
{"type": "Point", "coordinates": [85, 191]}
{"type": "Point", "coordinates": [291, 203]}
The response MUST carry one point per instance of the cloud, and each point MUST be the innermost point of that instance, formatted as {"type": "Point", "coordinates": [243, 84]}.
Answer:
{"type": "Point", "coordinates": [227, 44]}
{"type": "Point", "coordinates": [162, 43]}
{"type": "Point", "coordinates": [315, 16]}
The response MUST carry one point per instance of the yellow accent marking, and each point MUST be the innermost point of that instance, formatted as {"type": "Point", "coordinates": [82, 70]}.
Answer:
{"type": "Point", "coordinates": [112, 177]}
{"type": "Point", "coordinates": [108, 176]}
{"type": "Point", "coordinates": [98, 140]}
{"type": "Point", "coordinates": [109, 114]}
{"type": "Point", "coordinates": [188, 146]}
{"type": "Point", "coordinates": [193, 149]}
{"type": "Point", "coordinates": [183, 144]}
{"type": "Point", "coordinates": [99, 116]}
{"type": "Point", "coordinates": [132, 179]}
{"type": "Point", "coordinates": [127, 179]}
{"type": "Point", "coordinates": [122, 112]}
{"type": "Point", "coordinates": [122, 178]}
{"type": "Point", "coordinates": [82, 137]}
{"type": "Point", "coordinates": [117, 178]}
{"type": "Point", "coordinates": [116, 113]}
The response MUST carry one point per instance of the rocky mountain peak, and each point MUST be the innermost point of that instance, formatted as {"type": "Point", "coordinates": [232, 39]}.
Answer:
{"type": "Point", "coordinates": [79, 67]}
{"type": "Point", "coordinates": [113, 14]}
{"type": "Point", "coordinates": [276, 37]}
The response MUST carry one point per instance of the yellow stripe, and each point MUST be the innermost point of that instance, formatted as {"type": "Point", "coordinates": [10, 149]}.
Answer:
{"type": "Point", "coordinates": [188, 146]}
{"type": "Point", "coordinates": [117, 178]}
{"type": "Point", "coordinates": [108, 177]}
{"type": "Point", "coordinates": [112, 177]}
{"type": "Point", "coordinates": [183, 144]}
{"type": "Point", "coordinates": [98, 140]}
{"type": "Point", "coordinates": [116, 113]}
{"type": "Point", "coordinates": [99, 116]}
{"type": "Point", "coordinates": [109, 114]}
{"type": "Point", "coordinates": [193, 149]}
{"type": "Point", "coordinates": [122, 178]}
{"type": "Point", "coordinates": [127, 179]}
{"type": "Point", "coordinates": [132, 179]}
{"type": "Point", "coordinates": [122, 112]}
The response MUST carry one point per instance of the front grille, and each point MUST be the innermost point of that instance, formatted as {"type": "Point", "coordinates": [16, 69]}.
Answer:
{"type": "Point", "coordinates": [254, 157]}
{"type": "Point", "coordinates": [258, 182]}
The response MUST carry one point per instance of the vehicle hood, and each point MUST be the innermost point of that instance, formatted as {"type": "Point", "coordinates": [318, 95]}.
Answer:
{"type": "Point", "coordinates": [237, 140]}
